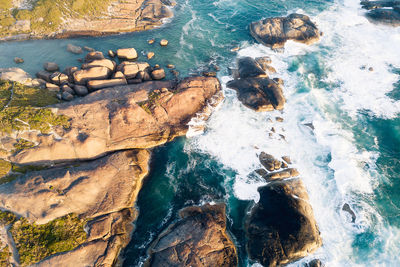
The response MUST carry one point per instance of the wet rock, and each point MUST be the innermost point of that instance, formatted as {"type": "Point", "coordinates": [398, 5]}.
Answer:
{"type": "Point", "coordinates": [81, 90]}
{"type": "Point", "coordinates": [248, 67]}
{"type": "Point", "coordinates": [259, 94]}
{"type": "Point", "coordinates": [281, 175]}
{"type": "Point", "coordinates": [209, 74]}
{"type": "Point", "coordinates": [100, 84]}
{"type": "Point", "coordinates": [67, 96]}
{"type": "Point", "coordinates": [74, 49]}
{"type": "Point", "coordinates": [150, 55]}
{"type": "Point", "coordinates": [51, 66]}
{"type": "Point", "coordinates": [269, 162]}
{"type": "Point", "coordinates": [164, 42]}
{"type": "Point", "coordinates": [315, 263]}
{"type": "Point", "coordinates": [274, 32]}
{"type": "Point", "coordinates": [346, 208]}
{"type": "Point", "coordinates": [279, 119]}
{"type": "Point", "coordinates": [287, 159]}
{"type": "Point", "coordinates": [111, 53]}
{"type": "Point", "coordinates": [89, 49]}
{"type": "Point", "coordinates": [151, 41]}
{"type": "Point", "coordinates": [158, 74]}
{"type": "Point", "coordinates": [81, 77]}
{"type": "Point", "coordinates": [96, 55]}
{"type": "Point", "coordinates": [263, 61]}
{"type": "Point", "coordinates": [18, 60]}
{"type": "Point", "coordinates": [100, 63]}
{"type": "Point", "coordinates": [385, 16]}
{"type": "Point", "coordinates": [170, 66]}
{"type": "Point", "coordinates": [199, 238]}
{"type": "Point", "coordinates": [281, 227]}
{"type": "Point", "coordinates": [127, 53]}
{"type": "Point", "coordinates": [369, 5]}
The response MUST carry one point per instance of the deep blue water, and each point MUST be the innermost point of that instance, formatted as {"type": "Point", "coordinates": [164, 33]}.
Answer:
{"type": "Point", "coordinates": [352, 155]}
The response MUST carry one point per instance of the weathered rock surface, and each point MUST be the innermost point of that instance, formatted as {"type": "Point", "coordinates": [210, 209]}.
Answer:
{"type": "Point", "coordinates": [16, 75]}
{"type": "Point", "coordinates": [199, 238]}
{"type": "Point", "coordinates": [281, 227]}
{"type": "Point", "coordinates": [102, 191]}
{"type": "Point", "coordinates": [100, 84]}
{"type": "Point", "coordinates": [255, 90]}
{"type": "Point", "coordinates": [127, 53]}
{"type": "Point", "coordinates": [121, 16]}
{"type": "Point", "coordinates": [100, 63]}
{"type": "Point", "coordinates": [95, 73]}
{"type": "Point", "coordinates": [274, 32]}
{"type": "Point", "coordinates": [125, 117]}
{"type": "Point", "coordinates": [74, 49]}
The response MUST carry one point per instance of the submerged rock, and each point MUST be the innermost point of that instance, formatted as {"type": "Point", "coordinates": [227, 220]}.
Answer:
{"type": "Point", "coordinates": [274, 32]}
{"type": "Point", "coordinates": [74, 49]}
{"type": "Point", "coordinates": [199, 238]}
{"type": "Point", "coordinates": [51, 66]}
{"type": "Point", "coordinates": [281, 227]}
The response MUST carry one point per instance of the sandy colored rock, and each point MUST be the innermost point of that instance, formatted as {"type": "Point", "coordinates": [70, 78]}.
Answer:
{"type": "Point", "coordinates": [16, 75]}
{"type": "Point", "coordinates": [100, 63]}
{"type": "Point", "coordinates": [95, 55]}
{"type": "Point", "coordinates": [122, 118]}
{"type": "Point", "coordinates": [150, 55]}
{"type": "Point", "coordinates": [274, 32]}
{"type": "Point", "coordinates": [164, 42]}
{"type": "Point", "coordinates": [199, 238]}
{"type": "Point", "coordinates": [96, 73]}
{"type": "Point", "coordinates": [131, 69]}
{"type": "Point", "coordinates": [281, 227]}
{"type": "Point", "coordinates": [127, 53]}
{"type": "Point", "coordinates": [158, 74]}
{"type": "Point", "coordinates": [18, 60]}
{"type": "Point", "coordinates": [100, 84]}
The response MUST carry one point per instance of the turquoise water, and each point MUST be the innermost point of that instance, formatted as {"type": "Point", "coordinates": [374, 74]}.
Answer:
{"type": "Point", "coordinates": [352, 155]}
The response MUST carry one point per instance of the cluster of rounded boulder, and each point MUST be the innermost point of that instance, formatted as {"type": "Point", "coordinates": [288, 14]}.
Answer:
{"type": "Point", "coordinates": [98, 72]}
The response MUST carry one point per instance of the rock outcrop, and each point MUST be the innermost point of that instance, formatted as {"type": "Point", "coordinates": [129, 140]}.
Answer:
{"type": "Point", "coordinates": [274, 32]}
{"type": "Point", "coordinates": [114, 16]}
{"type": "Point", "coordinates": [281, 227]}
{"type": "Point", "coordinates": [385, 12]}
{"type": "Point", "coordinates": [126, 117]}
{"type": "Point", "coordinates": [255, 90]}
{"type": "Point", "coordinates": [199, 238]}
{"type": "Point", "coordinates": [101, 192]}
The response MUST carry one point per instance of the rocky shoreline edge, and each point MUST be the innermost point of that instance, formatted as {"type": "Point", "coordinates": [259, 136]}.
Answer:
{"type": "Point", "coordinates": [74, 164]}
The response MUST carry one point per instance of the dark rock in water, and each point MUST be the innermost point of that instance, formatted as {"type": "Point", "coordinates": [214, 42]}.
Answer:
{"type": "Point", "coordinates": [315, 263]}
{"type": "Point", "coordinates": [259, 94]}
{"type": "Point", "coordinates": [274, 32]}
{"type": "Point", "coordinates": [281, 228]}
{"type": "Point", "coordinates": [209, 74]}
{"type": "Point", "coordinates": [269, 162]}
{"type": "Point", "coordinates": [310, 125]}
{"type": "Point", "coordinates": [199, 238]}
{"type": "Point", "coordinates": [248, 67]}
{"type": "Point", "coordinates": [18, 60]}
{"type": "Point", "coordinates": [378, 4]}
{"type": "Point", "coordinates": [346, 208]}
{"type": "Point", "coordinates": [385, 16]}
{"type": "Point", "coordinates": [96, 55]}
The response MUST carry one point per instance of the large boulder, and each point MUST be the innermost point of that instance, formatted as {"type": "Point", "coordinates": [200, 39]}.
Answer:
{"type": "Point", "coordinates": [100, 63]}
{"type": "Point", "coordinates": [131, 69]}
{"type": "Point", "coordinates": [94, 73]}
{"type": "Point", "coordinates": [127, 53]}
{"type": "Point", "coordinates": [100, 84]}
{"type": "Point", "coordinates": [281, 227]}
{"type": "Point", "coordinates": [199, 238]}
{"type": "Point", "coordinates": [274, 32]}
{"type": "Point", "coordinates": [259, 94]}
{"type": "Point", "coordinates": [119, 118]}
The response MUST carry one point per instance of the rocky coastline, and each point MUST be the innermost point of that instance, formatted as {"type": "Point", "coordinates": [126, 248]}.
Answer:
{"type": "Point", "coordinates": [76, 144]}
{"type": "Point", "coordinates": [80, 19]}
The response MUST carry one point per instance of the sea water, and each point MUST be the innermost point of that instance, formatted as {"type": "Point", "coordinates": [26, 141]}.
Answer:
{"type": "Point", "coordinates": [341, 123]}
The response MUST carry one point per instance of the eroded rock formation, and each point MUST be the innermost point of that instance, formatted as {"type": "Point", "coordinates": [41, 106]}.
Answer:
{"type": "Point", "coordinates": [199, 238]}
{"type": "Point", "coordinates": [274, 32]}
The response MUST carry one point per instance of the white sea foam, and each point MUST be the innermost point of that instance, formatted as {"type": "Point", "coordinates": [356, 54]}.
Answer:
{"type": "Point", "coordinates": [331, 165]}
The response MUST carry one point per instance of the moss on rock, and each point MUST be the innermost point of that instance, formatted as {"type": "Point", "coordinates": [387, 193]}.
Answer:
{"type": "Point", "coordinates": [36, 242]}
{"type": "Point", "coordinates": [25, 108]}
{"type": "Point", "coordinates": [5, 168]}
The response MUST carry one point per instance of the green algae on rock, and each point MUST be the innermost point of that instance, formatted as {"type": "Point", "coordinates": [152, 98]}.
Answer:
{"type": "Point", "coordinates": [35, 242]}
{"type": "Point", "coordinates": [22, 108]}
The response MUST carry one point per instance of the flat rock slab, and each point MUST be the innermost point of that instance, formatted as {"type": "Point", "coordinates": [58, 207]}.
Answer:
{"type": "Point", "coordinates": [91, 189]}
{"type": "Point", "coordinates": [120, 118]}
{"type": "Point", "coordinates": [281, 227]}
{"type": "Point", "coordinates": [199, 238]}
{"type": "Point", "coordinates": [274, 32]}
